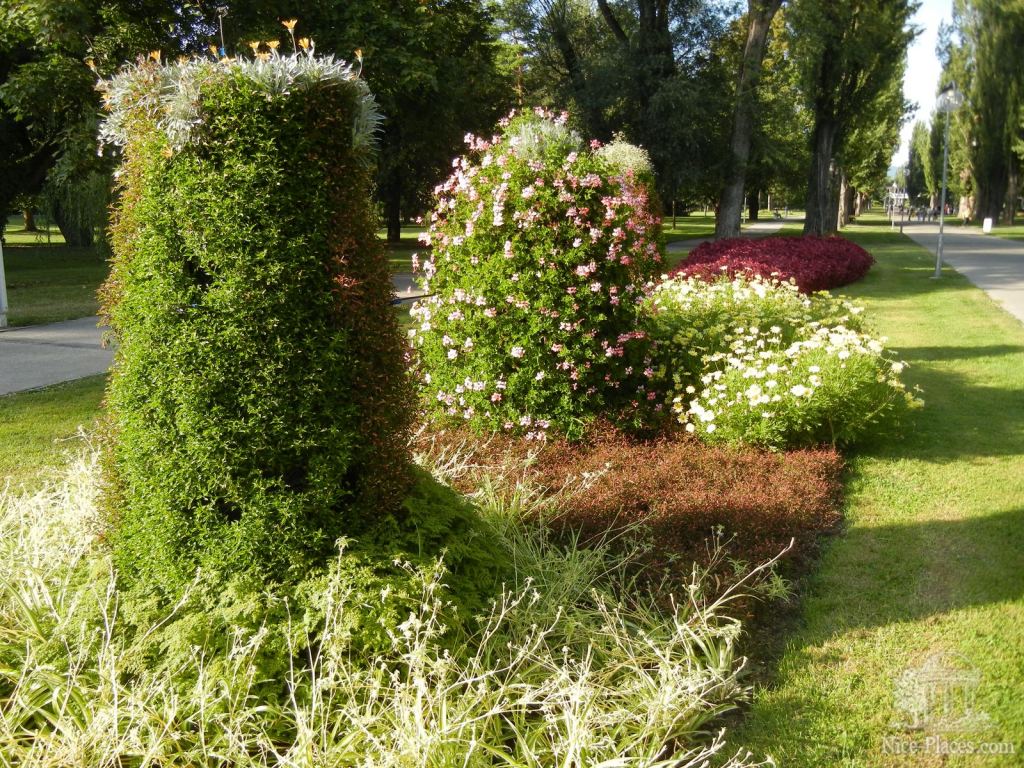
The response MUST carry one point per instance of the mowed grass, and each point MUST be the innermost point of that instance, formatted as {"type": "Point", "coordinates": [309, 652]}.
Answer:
{"type": "Point", "coordinates": [400, 253]}
{"type": "Point", "coordinates": [1014, 232]}
{"type": "Point", "coordinates": [37, 428]}
{"type": "Point", "coordinates": [50, 283]}
{"type": "Point", "coordinates": [932, 560]}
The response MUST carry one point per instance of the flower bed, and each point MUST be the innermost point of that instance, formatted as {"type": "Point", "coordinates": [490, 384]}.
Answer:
{"type": "Point", "coordinates": [813, 263]}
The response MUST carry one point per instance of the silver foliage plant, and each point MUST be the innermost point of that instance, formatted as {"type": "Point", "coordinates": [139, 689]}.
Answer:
{"type": "Point", "coordinates": [625, 157]}
{"type": "Point", "coordinates": [169, 93]}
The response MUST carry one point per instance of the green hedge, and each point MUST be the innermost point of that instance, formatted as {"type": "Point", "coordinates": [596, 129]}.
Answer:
{"type": "Point", "coordinates": [259, 402]}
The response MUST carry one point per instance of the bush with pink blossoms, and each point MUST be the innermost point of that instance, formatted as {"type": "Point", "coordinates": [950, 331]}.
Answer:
{"type": "Point", "coordinates": [541, 247]}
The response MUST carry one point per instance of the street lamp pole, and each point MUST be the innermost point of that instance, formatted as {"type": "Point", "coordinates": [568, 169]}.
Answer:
{"type": "Point", "coordinates": [3, 286]}
{"type": "Point", "coordinates": [949, 99]}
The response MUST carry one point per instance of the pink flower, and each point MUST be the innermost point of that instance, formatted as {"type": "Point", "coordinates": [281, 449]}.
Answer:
{"type": "Point", "coordinates": [518, 351]}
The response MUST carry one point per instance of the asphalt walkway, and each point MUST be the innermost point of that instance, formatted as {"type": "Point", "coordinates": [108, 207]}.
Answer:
{"type": "Point", "coordinates": [38, 356]}
{"type": "Point", "coordinates": [993, 264]}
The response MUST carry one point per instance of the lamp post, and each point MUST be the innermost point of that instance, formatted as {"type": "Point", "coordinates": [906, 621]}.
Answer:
{"type": "Point", "coordinates": [3, 285]}
{"type": "Point", "coordinates": [949, 99]}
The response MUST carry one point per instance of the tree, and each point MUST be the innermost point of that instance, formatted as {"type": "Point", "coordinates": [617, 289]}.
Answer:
{"type": "Point", "coordinates": [649, 69]}
{"type": "Point", "coordinates": [48, 93]}
{"type": "Point", "coordinates": [921, 175]}
{"type": "Point", "coordinates": [758, 21]}
{"type": "Point", "coordinates": [986, 60]}
{"type": "Point", "coordinates": [779, 156]}
{"type": "Point", "coordinates": [432, 65]}
{"type": "Point", "coordinates": [848, 54]}
{"type": "Point", "coordinates": [873, 135]}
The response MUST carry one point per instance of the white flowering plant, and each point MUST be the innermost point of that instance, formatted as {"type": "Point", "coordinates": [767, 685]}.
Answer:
{"type": "Point", "coordinates": [691, 319]}
{"type": "Point", "coordinates": [754, 361]}
{"type": "Point", "coordinates": [540, 251]}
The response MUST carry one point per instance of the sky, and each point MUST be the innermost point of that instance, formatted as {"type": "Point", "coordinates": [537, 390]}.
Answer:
{"type": "Point", "coordinates": [922, 79]}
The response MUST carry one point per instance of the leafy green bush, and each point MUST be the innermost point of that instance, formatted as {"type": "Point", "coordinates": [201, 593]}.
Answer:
{"type": "Point", "coordinates": [753, 361]}
{"type": "Point", "coordinates": [259, 402]}
{"type": "Point", "coordinates": [541, 248]}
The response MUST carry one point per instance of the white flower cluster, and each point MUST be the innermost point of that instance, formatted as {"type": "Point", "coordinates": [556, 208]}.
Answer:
{"type": "Point", "coordinates": [765, 377]}
{"type": "Point", "coordinates": [756, 360]}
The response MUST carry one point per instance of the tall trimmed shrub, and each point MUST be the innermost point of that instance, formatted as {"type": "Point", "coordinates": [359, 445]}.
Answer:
{"type": "Point", "coordinates": [259, 403]}
{"type": "Point", "coordinates": [541, 246]}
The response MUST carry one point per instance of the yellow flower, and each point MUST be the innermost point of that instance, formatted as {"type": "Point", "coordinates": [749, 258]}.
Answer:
{"type": "Point", "coordinates": [155, 56]}
{"type": "Point", "coordinates": [255, 45]}
{"type": "Point", "coordinates": [359, 55]}
{"type": "Point", "coordinates": [289, 24]}
{"type": "Point", "coordinates": [273, 44]}
{"type": "Point", "coordinates": [213, 49]}
{"type": "Point", "coordinates": [263, 56]}
{"type": "Point", "coordinates": [91, 64]}
{"type": "Point", "coordinates": [304, 43]}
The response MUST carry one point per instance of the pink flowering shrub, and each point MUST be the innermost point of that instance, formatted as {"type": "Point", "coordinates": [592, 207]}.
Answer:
{"type": "Point", "coordinates": [813, 263]}
{"type": "Point", "coordinates": [541, 247]}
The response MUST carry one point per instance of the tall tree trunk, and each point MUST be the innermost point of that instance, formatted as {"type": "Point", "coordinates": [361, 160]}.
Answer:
{"type": "Point", "coordinates": [75, 233]}
{"type": "Point", "coordinates": [730, 202]}
{"type": "Point", "coordinates": [821, 215]}
{"type": "Point", "coordinates": [846, 201]}
{"type": "Point", "coordinates": [860, 206]}
{"type": "Point", "coordinates": [30, 220]}
{"type": "Point", "coordinates": [1012, 191]}
{"type": "Point", "coordinates": [754, 204]}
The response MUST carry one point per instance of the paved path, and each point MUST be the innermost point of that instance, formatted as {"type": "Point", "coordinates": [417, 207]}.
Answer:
{"type": "Point", "coordinates": [41, 355]}
{"type": "Point", "coordinates": [993, 264]}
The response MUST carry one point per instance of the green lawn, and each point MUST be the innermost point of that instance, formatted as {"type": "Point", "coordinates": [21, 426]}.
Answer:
{"type": "Point", "coordinates": [49, 283]}
{"type": "Point", "coordinates": [1015, 232]}
{"type": "Point", "coordinates": [400, 254]}
{"type": "Point", "coordinates": [15, 233]}
{"type": "Point", "coordinates": [932, 560]}
{"type": "Point", "coordinates": [691, 227]}
{"type": "Point", "coordinates": [37, 427]}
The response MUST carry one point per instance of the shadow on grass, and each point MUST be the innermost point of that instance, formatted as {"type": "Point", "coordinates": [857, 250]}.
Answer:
{"type": "Point", "coordinates": [961, 419]}
{"type": "Point", "coordinates": [897, 573]}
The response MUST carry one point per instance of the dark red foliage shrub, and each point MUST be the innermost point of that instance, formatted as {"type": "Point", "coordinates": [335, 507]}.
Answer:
{"type": "Point", "coordinates": [683, 490]}
{"type": "Point", "coordinates": [679, 489]}
{"type": "Point", "coordinates": [813, 263]}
